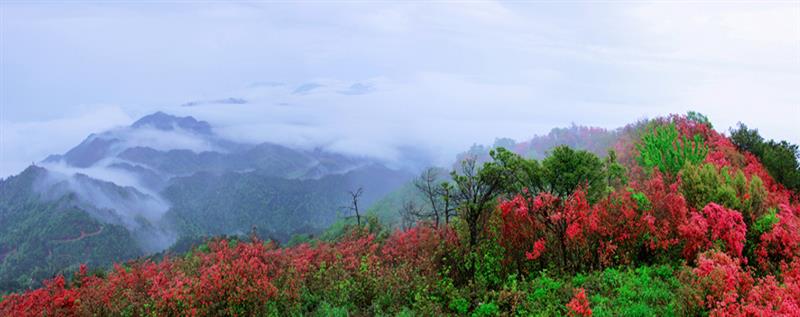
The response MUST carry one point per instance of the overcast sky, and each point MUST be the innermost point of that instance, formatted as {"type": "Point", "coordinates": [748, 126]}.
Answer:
{"type": "Point", "coordinates": [369, 78]}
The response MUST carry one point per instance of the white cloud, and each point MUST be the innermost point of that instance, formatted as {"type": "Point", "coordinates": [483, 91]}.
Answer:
{"type": "Point", "coordinates": [165, 140]}
{"type": "Point", "coordinates": [26, 142]}
{"type": "Point", "coordinates": [734, 62]}
{"type": "Point", "coordinates": [441, 76]}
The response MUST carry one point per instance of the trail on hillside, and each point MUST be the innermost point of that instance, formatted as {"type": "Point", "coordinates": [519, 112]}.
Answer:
{"type": "Point", "coordinates": [82, 236]}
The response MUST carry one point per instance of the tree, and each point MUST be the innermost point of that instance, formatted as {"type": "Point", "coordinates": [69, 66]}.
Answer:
{"type": "Point", "coordinates": [664, 148]}
{"type": "Point", "coordinates": [504, 143]}
{"type": "Point", "coordinates": [437, 196]}
{"type": "Point", "coordinates": [354, 197]}
{"type": "Point", "coordinates": [747, 139]}
{"type": "Point", "coordinates": [428, 184]}
{"type": "Point", "coordinates": [560, 174]}
{"type": "Point", "coordinates": [553, 196]}
{"type": "Point", "coordinates": [409, 214]}
{"type": "Point", "coordinates": [699, 118]}
{"type": "Point", "coordinates": [565, 170]}
{"type": "Point", "coordinates": [446, 191]}
{"type": "Point", "coordinates": [779, 158]}
{"type": "Point", "coordinates": [614, 171]}
{"type": "Point", "coordinates": [475, 190]}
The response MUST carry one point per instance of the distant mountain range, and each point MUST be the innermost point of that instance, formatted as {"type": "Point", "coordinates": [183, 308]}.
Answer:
{"type": "Point", "coordinates": [135, 190]}
{"type": "Point", "coordinates": [165, 180]}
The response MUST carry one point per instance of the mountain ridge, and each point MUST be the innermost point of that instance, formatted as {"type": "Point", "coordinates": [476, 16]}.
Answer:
{"type": "Point", "coordinates": [138, 180]}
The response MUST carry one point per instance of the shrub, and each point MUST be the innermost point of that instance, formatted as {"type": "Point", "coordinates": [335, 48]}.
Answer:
{"type": "Point", "coordinates": [665, 149]}
{"type": "Point", "coordinates": [579, 305]}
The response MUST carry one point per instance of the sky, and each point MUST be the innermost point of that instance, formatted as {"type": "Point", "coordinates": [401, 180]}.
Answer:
{"type": "Point", "coordinates": [374, 78]}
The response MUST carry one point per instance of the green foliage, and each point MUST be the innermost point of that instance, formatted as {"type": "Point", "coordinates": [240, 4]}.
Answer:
{"type": "Point", "coordinates": [459, 305]}
{"type": "Point", "coordinates": [486, 309]}
{"type": "Point", "coordinates": [546, 296]}
{"type": "Point", "coordinates": [642, 202]}
{"type": "Point", "coordinates": [699, 118]}
{"type": "Point", "coordinates": [488, 264]}
{"type": "Point", "coordinates": [209, 204]}
{"type": "Point", "coordinates": [561, 173]}
{"type": "Point", "coordinates": [747, 139]}
{"type": "Point", "coordinates": [779, 158]}
{"type": "Point", "coordinates": [662, 147]}
{"type": "Point", "coordinates": [41, 238]}
{"type": "Point", "coordinates": [765, 222]}
{"type": "Point", "coordinates": [644, 291]}
{"type": "Point", "coordinates": [474, 192]}
{"type": "Point", "coordinates": [325, 309]}
{"type": "Point", "coordinates": [299, 239]}
{"type": "Point", "coordinates": [705, 183]}
{"type": "Point", "coordinates": [615, 173]}
{"type": "Point", "coordinates": [566, 169]}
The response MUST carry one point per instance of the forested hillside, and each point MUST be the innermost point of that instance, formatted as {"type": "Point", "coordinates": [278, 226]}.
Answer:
{"type": "Point", "coordinates": [137, 190]}
{"type": "Point", "coordinates": [677, 220]}
{"type": "Point", "coordinates": [43, 237]}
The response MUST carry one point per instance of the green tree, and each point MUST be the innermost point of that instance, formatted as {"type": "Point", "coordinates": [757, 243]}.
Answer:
{"type": "Point", "coordinates": [475, 190]}
{"type": "Point", "coordinates": [615, 173]}
{"type": "Point", "coordinates": [662, 147]}
{"type": "Point", "coordinates": [560, 174]}
{"type": "Point", "coordinates": [565, 170]}
{"type": "Point", "coordinates": [747, 139]}
{"type": "Point", "coordinates": [699, 118]}
{"type": "Point", "coordinates": [706, 183]}
{"type": "Point", "coordinates": [779, 158]}
{"type": "Point", "coordinates": [781, 161]}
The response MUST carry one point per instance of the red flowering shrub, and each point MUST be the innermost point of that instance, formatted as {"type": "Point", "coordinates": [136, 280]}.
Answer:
{"type": "Point", "coordinates": [720, 280]}
{"type": "Point", "coordinates": [713, 223]}
{"type": "Point", "coordinates": [520, 228]}
{"type": "Point", "coordinates": [529, 227]}
{"type": "Point", "coordinates": [723, 153]}
{"type": "Point", "coordinates": [419, 246]}
{"type": "Point", "coordinates": [667, 213]}
{"type": "Point", "coordinates": [695, 233]}
{"type": "Point", "coordinates": [689, 127]}
{"type": "Point", "coordinates": [576, 217]}
{"type": "Point", "coordinates": [615, 227]}
{"type": "Point", "coordinates": [782, 242]}
{"type": "Point", "coordinates": [579, 305]}
{"type": "Point", "coordinates": [767, 296]}
{"type": "Point", "coordinates": [538, 249]}
{"type": "Point", "coordinates": [51, 300]}
{"type": "Point", "coordinates": [229, 279]}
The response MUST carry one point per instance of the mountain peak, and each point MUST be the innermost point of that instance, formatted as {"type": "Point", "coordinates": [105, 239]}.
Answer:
{"type": "Point", "coordinates": [167, 122]}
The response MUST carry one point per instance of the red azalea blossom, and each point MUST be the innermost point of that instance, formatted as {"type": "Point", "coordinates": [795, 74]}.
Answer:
{"type": "Point", "coordinates": [579, 305]}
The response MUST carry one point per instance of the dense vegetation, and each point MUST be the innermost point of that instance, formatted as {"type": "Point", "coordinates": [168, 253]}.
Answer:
{"type": "Point", "coordinates": [779, 158]}
{"type": "Point", "coordinates": [676, 222]}
{"type": "Point", "coordinates": [53, 231]}
{"type": "Point", "coordinates": [206, 204]}
{"type": "Point", "coordinates": [592, 139]}
{"type": "Point", "coordinates": [41, 237]}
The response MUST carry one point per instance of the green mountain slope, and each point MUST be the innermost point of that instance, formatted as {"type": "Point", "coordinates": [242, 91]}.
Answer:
{"type": "Point", "coordinates": [42, 237]}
